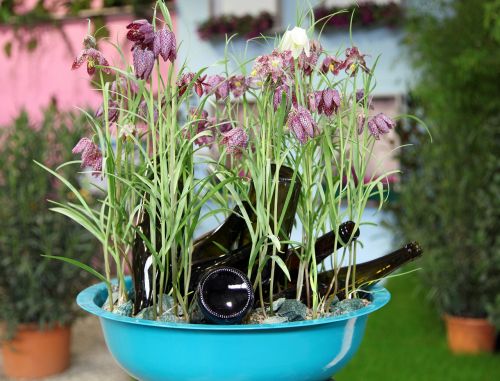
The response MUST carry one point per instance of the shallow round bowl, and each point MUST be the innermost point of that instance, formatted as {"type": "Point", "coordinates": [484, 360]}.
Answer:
{"type": "Point", "coordinates": [300, 351]}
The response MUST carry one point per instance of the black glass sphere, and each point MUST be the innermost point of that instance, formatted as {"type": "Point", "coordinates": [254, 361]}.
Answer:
{"type": "Point", "coordinates": [225, 295]}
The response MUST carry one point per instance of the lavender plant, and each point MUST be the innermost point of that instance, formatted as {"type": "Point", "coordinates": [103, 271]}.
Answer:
{"type": "Point", "coordinates": [301, 107]}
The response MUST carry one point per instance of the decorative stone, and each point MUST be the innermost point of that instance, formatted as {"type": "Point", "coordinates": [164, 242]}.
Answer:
{"type": "Point", "coordinates": [275, 320]}
{"type": "Point", "coordinates": [169, 317]}
{"type": "Point", "coordinates": [277, 304]}
{"type": "Point", "coordinates": [168, 305]}
{"type": "Point", "coordinates": [195, 314]}
{"type": "Point", "coordinates": [293, 310]}
{"type": "Point", "coordinates": [146, 313]}
{"type": "Point", "coordinates": [347, 305]}
{"type": "Point", "coordinates": [124, 309]}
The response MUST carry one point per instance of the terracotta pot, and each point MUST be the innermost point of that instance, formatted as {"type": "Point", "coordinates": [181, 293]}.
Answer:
{"type": "Point", "coordinates": [469, 335]}
{"type": "Point", "coordinates": [35, 353]}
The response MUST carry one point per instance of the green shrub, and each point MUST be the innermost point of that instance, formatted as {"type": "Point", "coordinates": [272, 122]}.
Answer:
{"type": "Point", "coordinates": [34, 289]}
{"type": "Point", "coordinates": [451, 202]}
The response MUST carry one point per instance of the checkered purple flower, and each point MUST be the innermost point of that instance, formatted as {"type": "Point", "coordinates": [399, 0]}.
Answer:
{"type": "Point", "coordinates": [235, 140]}
{"type": "Point", "coordinates": [302, 124]}
{"type": "Point", "coordinates": [238, 84]}
{"type": "Point", "coordinates": [217, 85]}
{"type": "Point", "coordinates": [91, 155]}
{"type": "Point", "coordinates": [144, 61]}
{"type": "Point", "coordinates": [380, 124]}
{"type": "Point", "coordinates": [92, 56]}
{"type": "Point", "coordinates": [325, 101]}
{"type": "Point", "coordinates": [278, 95]}
{"type": "Point", "coordinates": [331, 64]}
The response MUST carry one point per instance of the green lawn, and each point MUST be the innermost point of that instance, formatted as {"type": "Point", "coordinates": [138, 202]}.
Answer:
{"type": "Point", "coordinates": [405, 341]}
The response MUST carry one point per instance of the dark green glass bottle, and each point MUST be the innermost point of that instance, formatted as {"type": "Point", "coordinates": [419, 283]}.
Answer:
{"type": "Point", "coordinates": [229, 244]}
{"type": "Point", "coordinates": [367, 273]}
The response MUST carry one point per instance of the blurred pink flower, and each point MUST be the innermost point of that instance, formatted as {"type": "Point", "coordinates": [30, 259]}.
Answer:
{"type": "Point", "coordinates": [380, 124]}
{"type": "Point", "coordinates": [238, 84]}
{"type": "Point", "coordinates": [278, 95]}
{"type": "Point", "coordinates": [235, 140]}
{"type": "Point", "coordinates": [361, 120]}
{"type": "Point", "coordinates": [302, 124]}
{"type": "Point", "coordinates": [217, 85]}
{"type": "Point", "coordinates": [113, 111]}
{"type": "Point", "coordinates": [91, 155]}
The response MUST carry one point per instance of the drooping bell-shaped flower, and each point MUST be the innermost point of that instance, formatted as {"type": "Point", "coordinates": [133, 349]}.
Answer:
{"type": "Point", "coordinates": [296, 41]}
{"type": "Point", "coordinates": [332, 65]}
{"type": "Point", "coordinates": [307, 63]}
{"type": "Point", "coordinates": [91, 155]}
{"type": "Point", "coordinates": [92, 56]}
{"type": "Point", "coordinates": [360, 98]}
{"type": "Point", "coordinates": [141, 32]}
{"type": "Point", "coordinates": [302, 124]}
{"type": "Point", "coordinates": [354, 60]}
{"type": "Point", "coordinates": [235, 140]}
{"type": "Point", "coordinates": [238, 84]}
{"type": "Point", "coordinates": [278, 95]}
{"type": "Point", "coordinates": [144, 61]}
{"type": "Point", "coordinates": [186, 79]}
{"type": "Point", "coordinates": [113, 111]}
{"type": "Point", "coordinates": [277, 66]}
{"type": "Point", "coordinates": [380, 124]}
{"type": "Point", "coordinates": [325, 101]}
{"type": "Point", "coordinates": [217, 85]}
{"type": "Point", "coordinates": [165, 45]}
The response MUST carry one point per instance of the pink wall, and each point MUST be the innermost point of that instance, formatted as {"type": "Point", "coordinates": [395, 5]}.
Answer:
{"type": "Point", "coordinates": [30, 79]}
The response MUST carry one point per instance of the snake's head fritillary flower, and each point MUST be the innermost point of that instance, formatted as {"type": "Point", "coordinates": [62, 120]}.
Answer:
{"type": "Point", "coordinates": [91, 155]}
{"type": "Point", "coordinates": [380, 124]}
{"type": "Point", "coordinates": [278, 95]}
{"type": "Point", "coordinates": [238, 84]}
{"type": "Point", "coordinates": [302, 124]}
{"type": "Point", "coordinates": [277, 66]}
{"type": "Point", "coordinates": [165, 45]}
{"type": "Point", "coordinates": [325, 101]}
{"type": "Point", "coordinates": [122, 86]}
{"type": "Point", "coordinates": [307, 63]}
{"type": "Point", "coordinates": [361, 120]}
{"type": "Point", "coordinates": [141, 32]}
{"type": "Point", "coordinates": [217, 85]}
{"type": "Point", "coordinates": [186, 79]}
{"type": "Point", "coordinates": [354, 60]}
{"type": "Point", "coordinates": [144, 61]}
{"type": "Point", "coordinates": [331, 65]}
{"type": "Point", "coordinates": [235, 140]}
{"type": "Point", "coordinates": [360, 98]}
{"type": "Point", "coordinates": [113, 111]}
{"type": "Point", "coordinates": [92, 56]}
{"type": "Point", "coordinates": [296, 41]}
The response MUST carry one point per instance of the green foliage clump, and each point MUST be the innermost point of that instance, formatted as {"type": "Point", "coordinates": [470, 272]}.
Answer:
{"type": "Point", "coordinates": [35, 289]}
{"type": "Point", "coordinates": [451, 202]}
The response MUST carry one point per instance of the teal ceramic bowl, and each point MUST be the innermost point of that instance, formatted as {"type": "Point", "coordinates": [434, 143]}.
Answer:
{"type": "Point", "coordinates": [312, 350]}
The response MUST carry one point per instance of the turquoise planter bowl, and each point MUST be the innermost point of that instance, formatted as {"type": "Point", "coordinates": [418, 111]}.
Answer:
{"type": "Point", "coordinates": [312, 350]}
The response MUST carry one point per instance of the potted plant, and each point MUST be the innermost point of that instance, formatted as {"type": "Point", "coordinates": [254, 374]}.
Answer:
{"type": "Point", "coordinates": [294, 135]}
{"type": "Point", "coordinates": [37, 293]}
{"type": "Point", "coordinates": [449, 195]}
